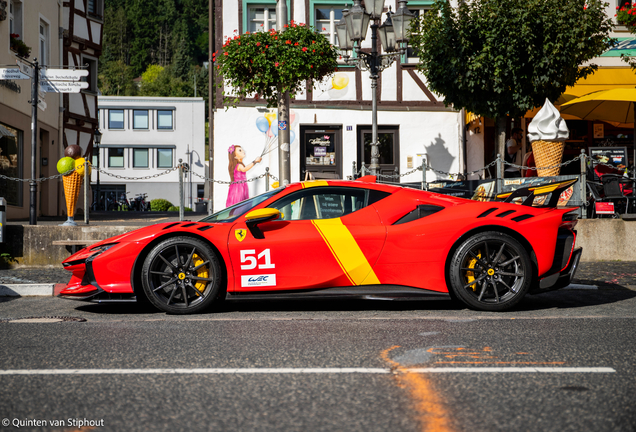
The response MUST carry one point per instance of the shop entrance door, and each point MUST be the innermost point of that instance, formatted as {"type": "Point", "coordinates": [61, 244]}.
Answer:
{"type": "Point", "coordinates": [388, 145]}
{"type": "Point", "coordinates": [321, 152]}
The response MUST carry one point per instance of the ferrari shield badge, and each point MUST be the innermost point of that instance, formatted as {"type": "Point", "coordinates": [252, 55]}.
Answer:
{"type": "Point", "coordinates": [240, 234]}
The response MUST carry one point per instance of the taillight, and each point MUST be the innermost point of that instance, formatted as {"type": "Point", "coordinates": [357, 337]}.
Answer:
{"type": "Point", "coordinates": [570, 219]}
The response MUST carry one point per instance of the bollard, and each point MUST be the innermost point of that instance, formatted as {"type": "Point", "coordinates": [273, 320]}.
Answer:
{"type": "Point", "coordinates": [583, 185]}
{"type": "Point", "coordinates": [266, 179]}
{"type": "Point", "coordinates": [363, 170]}
{"type": "Point", "coordinates": [181, 197]}
{"type": "Point", "coordinates": [499, 182]}
{"type": "Point", "coordinates": [87, 181]}
{"type": "Point", "coordinates": [424, 184]}
{"type": "Point", "coordinates": [355, 171]}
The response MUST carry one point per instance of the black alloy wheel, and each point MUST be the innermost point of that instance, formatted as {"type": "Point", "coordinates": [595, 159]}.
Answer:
{"type": "Point", "coordinates": [490, 271]}
{"type": "Point", "coordinates": [181, 275]}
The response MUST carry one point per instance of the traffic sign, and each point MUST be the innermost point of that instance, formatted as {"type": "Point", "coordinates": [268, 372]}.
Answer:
{"type": "Point", "coordinates": [25, 68]}
{"type": "Point", "coordinates": [63, 86]}
{"type": "Point", "coordinates": [12, 74]}
{"type": "Point", "coordinates": [63, 74]}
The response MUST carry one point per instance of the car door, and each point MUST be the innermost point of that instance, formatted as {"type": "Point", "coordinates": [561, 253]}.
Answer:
{"type": "Point", "coordinates": [326, 237]}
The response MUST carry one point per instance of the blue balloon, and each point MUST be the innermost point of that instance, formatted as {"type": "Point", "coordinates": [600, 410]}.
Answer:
{"type": "Point", "coordinates": [275, 128]}
{"type": "Point", "coordinates": [262, 124]}
{"type": "Point", "coordinates": [292, 136]}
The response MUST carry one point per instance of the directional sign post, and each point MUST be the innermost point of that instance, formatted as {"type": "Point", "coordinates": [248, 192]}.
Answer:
{"type": "Point", "coordinates": [25, 68]}
{"type": "Point", "coordinates": [12, 74]}
{"type": "Point", "coordinates": [63, 86]}
{"type": "Point", "coordinates": [63, 74]}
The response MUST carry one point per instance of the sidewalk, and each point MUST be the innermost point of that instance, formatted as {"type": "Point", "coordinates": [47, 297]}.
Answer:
{"type": "Point", "coordinates": [114, 218]}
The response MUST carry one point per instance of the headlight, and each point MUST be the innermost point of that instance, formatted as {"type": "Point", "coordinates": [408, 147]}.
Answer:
{"type": "Point", "coordinates": [103, 248]}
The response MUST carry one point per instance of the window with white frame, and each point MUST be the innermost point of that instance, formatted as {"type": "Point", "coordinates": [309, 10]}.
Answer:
{"type": "Point", "coordinates": [164, 119]}
{"type": "Point", "coordinates": [261, 18]}
{"type": "Point", "coordinates": [140, 158]}
{"type": "Point", "coordinates": [115, 119]}
{"type": "Point", "coordinates": [15, 18]}
{"type": "Point", "coordinates": [140, 119]}
{"type": "Point", "coordinates": [44, 43]}
{"type": "Point", "coordinates": [418, 10]}
{"type": "Point", "coordinates": [325, 19]}
{"type": "Point", "coordinates": [164, 158]}
{"type": "Point", "coordinates": [116, 157]}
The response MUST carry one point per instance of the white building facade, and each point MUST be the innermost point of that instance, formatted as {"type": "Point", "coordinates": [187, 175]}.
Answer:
{"type": "Point", "coordinates": [146, 137]}
{"type": "Point", "coordinates": [331, 121]}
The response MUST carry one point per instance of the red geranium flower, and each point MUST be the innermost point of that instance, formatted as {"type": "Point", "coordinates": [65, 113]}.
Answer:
{"type": "Point", "coordinates": [304, 49]}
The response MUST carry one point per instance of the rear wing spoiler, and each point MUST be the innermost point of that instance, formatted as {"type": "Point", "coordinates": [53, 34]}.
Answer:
{"type": "Point", "coordinates": [528, 194]}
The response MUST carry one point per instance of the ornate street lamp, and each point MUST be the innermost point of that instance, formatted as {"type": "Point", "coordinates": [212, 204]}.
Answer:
{"type": "Point", "coordinates": [344, 40]}
{"type": "Point", "coordinates": [357, 24]}
{"type": "Point", "coordinates": [97, 139]}
{"type": "Point", "coordinates": [387, 33]}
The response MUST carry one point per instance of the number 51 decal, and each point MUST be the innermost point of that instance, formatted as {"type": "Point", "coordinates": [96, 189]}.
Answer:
{"type": "Point", "coordinates": [249, 259]}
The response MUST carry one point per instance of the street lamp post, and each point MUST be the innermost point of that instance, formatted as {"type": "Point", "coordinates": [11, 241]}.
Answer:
{"type": "Point", "coordinates": [97, 138]}
{"type": "Point", "coordinates": [352, 30]}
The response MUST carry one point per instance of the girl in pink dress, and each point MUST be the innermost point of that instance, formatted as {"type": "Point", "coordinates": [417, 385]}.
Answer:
{"type": "Point", "coordinates": [238, 191]}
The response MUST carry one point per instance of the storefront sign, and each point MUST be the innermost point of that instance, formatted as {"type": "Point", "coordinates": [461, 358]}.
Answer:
{"type": "Point", "coordinates": [320, 151]}
{"type": "Point", "coordinates": [615, 156]}
{"type": "Point", "coordinates": [599, 130]}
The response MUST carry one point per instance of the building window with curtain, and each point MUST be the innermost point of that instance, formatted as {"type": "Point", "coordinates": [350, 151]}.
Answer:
{"type": "Point", "coordinates": [164, 158]}
{"type": "Point", "coordinates": [140, 158]}
{"type": "Point", "coordinates": [164, 119]}
{"type": "Point", "coordinates": [261, 18]}
{"type": "Point", "coordinates": [140, 119]}
{"type": "Point", "coordinates": [115, 119]}
{"type": "Point", "coordinates": [116, 157]}
{"type": "Point", "coordinates": [11, 164]}
{"type": "Point", "coordinates": [418, 10]}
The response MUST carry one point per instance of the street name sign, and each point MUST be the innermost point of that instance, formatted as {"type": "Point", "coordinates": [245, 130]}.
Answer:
{"type": "Point", "coordinates": [12, 74]}
{"type": "Point", "coordinates": [63, 86]}
{"type": "Point", "coordinates": [63, 74]}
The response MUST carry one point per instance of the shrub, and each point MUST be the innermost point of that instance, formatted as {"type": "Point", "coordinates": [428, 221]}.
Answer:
{"type": "Point", "coordinates": [160, 204]}
{"type": "Point", "coordinates": [176, 208]}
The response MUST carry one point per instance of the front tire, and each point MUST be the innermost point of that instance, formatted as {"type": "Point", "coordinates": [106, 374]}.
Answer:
{"type": "Point", "coordinates": [181, 275]}
{"type": "Point", "coordinates": [490, 271]}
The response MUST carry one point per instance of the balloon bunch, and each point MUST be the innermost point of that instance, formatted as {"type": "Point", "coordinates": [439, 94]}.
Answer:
{"type": "Point", "coordinates": [72, 165]}
{"type": "Point", "coordinates": [268, 124]}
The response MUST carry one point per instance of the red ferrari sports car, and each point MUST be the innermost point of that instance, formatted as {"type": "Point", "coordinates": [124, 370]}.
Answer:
{"type": "Point", "coordinates": [340, 239]}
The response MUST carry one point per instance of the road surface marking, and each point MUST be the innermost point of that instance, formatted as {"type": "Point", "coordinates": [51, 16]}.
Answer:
{"type": "Point", "coordinates": [286, 371]}
{"type": "Point", "coordinates": [429, 405]}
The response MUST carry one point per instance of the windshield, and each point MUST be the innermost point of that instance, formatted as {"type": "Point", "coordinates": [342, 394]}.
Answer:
{"type": "Point", "coordinates": [230, 214]}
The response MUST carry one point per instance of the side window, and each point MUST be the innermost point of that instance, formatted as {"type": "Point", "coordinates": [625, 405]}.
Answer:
{"type": "Point", "coordinates": [321, 203]}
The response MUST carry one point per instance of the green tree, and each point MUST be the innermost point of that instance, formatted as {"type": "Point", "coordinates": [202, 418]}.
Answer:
{"type": "Point", "coordinates": [503, 57]}
{"type": "Point", "coordinates": [271, 63]}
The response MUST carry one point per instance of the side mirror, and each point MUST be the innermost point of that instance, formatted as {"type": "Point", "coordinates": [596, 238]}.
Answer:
{"type": "Point", "coordinates": [255, 217]}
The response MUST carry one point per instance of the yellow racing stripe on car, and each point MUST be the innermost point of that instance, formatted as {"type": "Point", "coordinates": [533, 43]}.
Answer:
{"type": "Point", "coordinates": [314, 183]}
{"type": "Point", "coordinates": [346, 251]}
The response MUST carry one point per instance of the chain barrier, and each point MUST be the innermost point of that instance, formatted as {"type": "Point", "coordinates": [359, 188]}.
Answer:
{"type": "Point", "coordinates": [522, 167]}
{"type": "Point", "coordinates": [138, 178]}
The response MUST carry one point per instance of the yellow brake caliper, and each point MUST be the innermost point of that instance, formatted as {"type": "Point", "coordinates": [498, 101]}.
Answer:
{"type": "Point", "coordinates": [201, 272]}
{"type": "Point", "coordinates": [470, 276]}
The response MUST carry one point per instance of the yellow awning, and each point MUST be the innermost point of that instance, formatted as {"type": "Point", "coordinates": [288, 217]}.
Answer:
{"type": "Point", "coordinates": [605, 78]}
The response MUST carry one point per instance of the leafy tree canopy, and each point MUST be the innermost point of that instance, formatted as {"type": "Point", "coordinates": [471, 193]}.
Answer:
{"type": "Point", "coordinates": [504, 57]}
{"type": "Point", "coordinates": [270, 63]}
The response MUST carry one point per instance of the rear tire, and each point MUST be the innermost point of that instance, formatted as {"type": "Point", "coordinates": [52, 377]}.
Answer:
{"type": "Point", "coordinates": [181, 275]}
{"type": "Point", "coordinates": [490, 271]}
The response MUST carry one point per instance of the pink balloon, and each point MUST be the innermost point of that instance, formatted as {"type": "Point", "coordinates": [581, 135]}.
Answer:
{"type": "Point", "coordinates": [292, 117]}
{"type": "Point", "coordinates": [269, 133]}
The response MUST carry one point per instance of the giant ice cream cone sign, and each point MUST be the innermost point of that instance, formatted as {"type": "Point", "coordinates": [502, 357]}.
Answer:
{"type": "Point", "coordinates": [72, 166]}
{"type": "Point", "coordinates": [548, 133]}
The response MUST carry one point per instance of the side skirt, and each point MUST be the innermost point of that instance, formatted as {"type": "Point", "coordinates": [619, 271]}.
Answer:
{"type": "Point", "coordinates": [364, 292]}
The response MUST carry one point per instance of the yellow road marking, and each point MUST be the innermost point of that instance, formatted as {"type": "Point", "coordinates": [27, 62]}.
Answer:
{"type": "Point", "coordinates": [433, 416]}
{"type": "Point", "coordinates": [346, 251]}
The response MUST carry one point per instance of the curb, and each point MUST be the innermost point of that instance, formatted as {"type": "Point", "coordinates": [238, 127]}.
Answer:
{"type": "Point", "coordinates": [23, 290]}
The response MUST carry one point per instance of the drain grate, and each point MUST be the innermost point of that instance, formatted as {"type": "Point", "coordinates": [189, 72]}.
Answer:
{"type": "Point", "coordinates": [43, 319]}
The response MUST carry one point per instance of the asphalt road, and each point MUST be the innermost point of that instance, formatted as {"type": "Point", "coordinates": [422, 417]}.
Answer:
{"type": "Point", "coordinates": [313, 366]}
